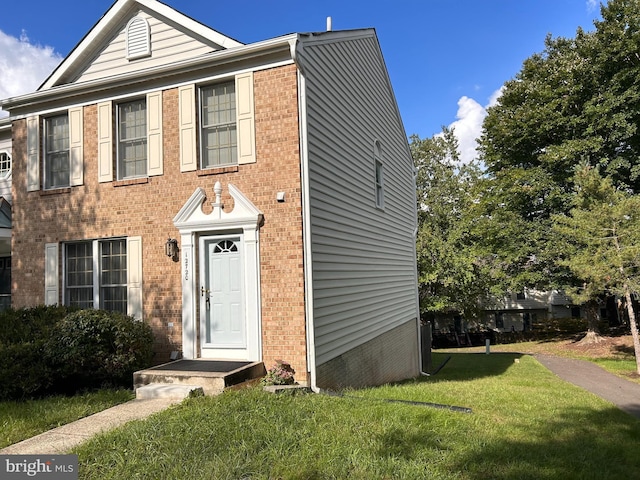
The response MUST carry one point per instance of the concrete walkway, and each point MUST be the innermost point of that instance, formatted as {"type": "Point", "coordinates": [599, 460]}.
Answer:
{"type": "Point", "coordinates": [622, 393]}
{"type": "Point", "coordinates": [62, 439]}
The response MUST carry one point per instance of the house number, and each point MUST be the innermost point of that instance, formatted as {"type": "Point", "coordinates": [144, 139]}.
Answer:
{"type": "Point", "coordinates": [186, 267]}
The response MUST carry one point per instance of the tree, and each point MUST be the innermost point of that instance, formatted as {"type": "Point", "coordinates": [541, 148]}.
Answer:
{"type": "Point", "coordinates": [448, 275]}
{"type": "Point", "coordinates": [577, 102]}
{"type": "Point", "coordinates": [601, 242]}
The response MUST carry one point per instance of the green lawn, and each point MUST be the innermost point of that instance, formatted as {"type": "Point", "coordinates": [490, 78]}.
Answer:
{"type": "Point", "coordinates": [526, 424]}
{"type": "Point", "coordinates": [20, 420]}
{"type": "Point", "coordinates": [619, 362]}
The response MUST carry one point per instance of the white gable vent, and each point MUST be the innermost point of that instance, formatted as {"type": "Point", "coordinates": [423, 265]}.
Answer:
{"type": "Point", "coordinates": [138, 38]}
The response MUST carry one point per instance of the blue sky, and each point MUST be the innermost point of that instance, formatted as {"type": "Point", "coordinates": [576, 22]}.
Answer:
{"type": "Point", "coordinates": [447, 59]}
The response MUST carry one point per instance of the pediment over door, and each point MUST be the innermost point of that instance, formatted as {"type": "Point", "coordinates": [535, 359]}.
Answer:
{"type": "Point", "coordinates": [192, 218]}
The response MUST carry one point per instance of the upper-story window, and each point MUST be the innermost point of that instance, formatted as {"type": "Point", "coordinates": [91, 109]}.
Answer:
{"type": "Point", "coordinates": [56, 155]}
{"type": "Point", "coordinates": [132, 139]}
{"type": "Point", "coordinates": [219, 139]}
{"type": "Point", "coordinates": [217, 124]}
{"type": "Point", "coordinates": [379, 174]}
{"type": "Point", "coordinates": [5, 165]}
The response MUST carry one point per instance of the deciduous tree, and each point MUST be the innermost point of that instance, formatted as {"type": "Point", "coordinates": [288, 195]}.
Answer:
{"type": "Point", "coordinates": [449, 277]}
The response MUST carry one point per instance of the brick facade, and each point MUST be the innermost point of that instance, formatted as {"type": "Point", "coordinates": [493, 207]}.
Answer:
{"type": "Point", "coordinates": [146, 207]}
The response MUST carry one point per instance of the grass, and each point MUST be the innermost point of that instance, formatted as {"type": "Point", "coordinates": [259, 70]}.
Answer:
{"type": "Point", "coordinates": [617, 359]}
{"type": "Point", "coordinates": [20, 420]}
{"type": "Point", "coordinates": [526, 424]}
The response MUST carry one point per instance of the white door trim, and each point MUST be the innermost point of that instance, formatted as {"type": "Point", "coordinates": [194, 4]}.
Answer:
{"type": "Point", "coordinates": [193, 223]}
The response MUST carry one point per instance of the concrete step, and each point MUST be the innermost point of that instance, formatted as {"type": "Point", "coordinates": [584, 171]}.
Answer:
{"type": "Point", "coordinates": [167, 390]}
{"type": "Point", "coordinates": [202, 373]}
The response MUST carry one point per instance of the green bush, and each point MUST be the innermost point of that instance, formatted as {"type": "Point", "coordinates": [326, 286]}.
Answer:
{"type": "Point", "coordinates": [27, 324]}
{"type": "Point", "coordinates": [23, 332]}
{"type": "Point", "coordinates": [23, 370]}
{"type": "Point", "coordinates": [94, 348]}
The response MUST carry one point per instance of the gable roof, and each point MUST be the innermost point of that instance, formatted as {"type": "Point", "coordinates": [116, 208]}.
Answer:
{"type": "Point", "coordinates": [114, 20]}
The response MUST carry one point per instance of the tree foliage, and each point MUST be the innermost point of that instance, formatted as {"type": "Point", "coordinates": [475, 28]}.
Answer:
{"type": "Point", "coordinates": [601, 242]}
{"type": "Point", "coordinates": [448, 274]}
{"type": "Point", "coordinates": [531, 219]}
{"type": "Point", "coordinates": [577, 102]}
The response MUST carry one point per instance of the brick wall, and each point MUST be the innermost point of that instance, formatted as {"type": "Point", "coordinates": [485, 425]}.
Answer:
{"type": "Point", "coordinates": [146, 208]}
{"type": "Point", "coordinates": [390, 357]}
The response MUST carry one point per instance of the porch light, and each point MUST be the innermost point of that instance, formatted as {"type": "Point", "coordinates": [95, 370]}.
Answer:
{"type": "Point", "coordinates": [171, 248]}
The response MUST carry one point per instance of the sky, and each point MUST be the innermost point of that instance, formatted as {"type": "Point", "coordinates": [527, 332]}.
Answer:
{"type": "Point", "coordinates": [447, 59]}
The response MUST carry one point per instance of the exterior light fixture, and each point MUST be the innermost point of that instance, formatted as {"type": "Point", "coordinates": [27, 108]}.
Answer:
{"type": "Point", "coordinates": [171, 248]}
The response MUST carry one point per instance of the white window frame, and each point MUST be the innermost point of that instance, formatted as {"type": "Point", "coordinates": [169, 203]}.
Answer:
{"type": "Point", "coordinates": [96, 283]}
{"type": "Point", "coordinates": [48, 153]}
{"type": "Point", "coordinates": [133, 267]}
{"type": "Point", "coordinates": [204, 128]}
{"type": "Point", "coordinates": [5, 173]}
{"type": "Point", "coordinates": [120, 143]}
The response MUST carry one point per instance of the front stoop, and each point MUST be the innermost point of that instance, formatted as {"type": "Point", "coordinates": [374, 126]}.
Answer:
{"type": "Point", "coordinates": [167, 390]}
{"type": "Point", "coordinates": [197, 375]}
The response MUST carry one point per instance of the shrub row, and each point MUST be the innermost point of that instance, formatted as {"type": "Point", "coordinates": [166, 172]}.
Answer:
{"type": "Point", "coordinates": [46, 350]}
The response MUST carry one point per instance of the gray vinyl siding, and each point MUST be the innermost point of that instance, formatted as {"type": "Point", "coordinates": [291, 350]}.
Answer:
{"type": "Point", "coordinates": [168, 45]}
{"type": "Point", "coordinates": [363, 258]}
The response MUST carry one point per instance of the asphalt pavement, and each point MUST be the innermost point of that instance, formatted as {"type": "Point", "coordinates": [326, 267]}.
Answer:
{"type": "Point", "coordinates": [625, 394]}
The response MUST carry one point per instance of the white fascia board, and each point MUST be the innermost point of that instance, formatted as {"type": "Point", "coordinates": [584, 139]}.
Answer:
{"type": "Point", "coordinates": [191, 24]}
{"type": "Point", "coordinates": [5, 123]}
{"type": "Point", "coordinates": [112, 16]}
{"type": "Point", "coordinates": [336, 36]}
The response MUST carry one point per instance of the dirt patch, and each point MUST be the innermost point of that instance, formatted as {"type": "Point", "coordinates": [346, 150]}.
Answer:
{"type": "Point", "coordinates": [609, 347]}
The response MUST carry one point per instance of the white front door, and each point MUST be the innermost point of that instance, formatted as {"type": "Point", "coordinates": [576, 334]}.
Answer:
{"type": "Point", "coordinates": [223, 326]}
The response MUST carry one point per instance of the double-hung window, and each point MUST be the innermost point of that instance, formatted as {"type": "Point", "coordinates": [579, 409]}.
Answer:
{"type": "Point", "coordinates": [217, 124]}
{"type": "Point", "coordinates": [56, 161]}
{"type": "Point", "coordinates": [219, 139]}
{"type": "Point", "coordinates": [56, 144]}
{"type": "Point", "coordinates": [96, 274]}
{"type": "Point", "coordinates": [132, 139]}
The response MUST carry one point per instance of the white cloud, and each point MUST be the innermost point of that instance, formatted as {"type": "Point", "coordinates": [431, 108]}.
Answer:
{"type": "Point", "coordinates": [24, 66]}
{"type": "Point", "coordinates": [468, 126]}
{"type": "Point", "coordinates": [591, 5]}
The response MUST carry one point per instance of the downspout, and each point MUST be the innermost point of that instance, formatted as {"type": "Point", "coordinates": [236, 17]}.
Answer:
{"type": "Point", "coordinates": [296, 49]}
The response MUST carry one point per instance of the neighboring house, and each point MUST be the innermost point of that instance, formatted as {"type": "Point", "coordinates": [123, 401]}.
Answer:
{"type": "Point", "coordinates": [250, 202]}
{"type": "Point", "coordinates": [521, 311]}
{"type": "Point", "coordinates": [525, 310]}
{"type": "Point", "coordinates": [5, 213]}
